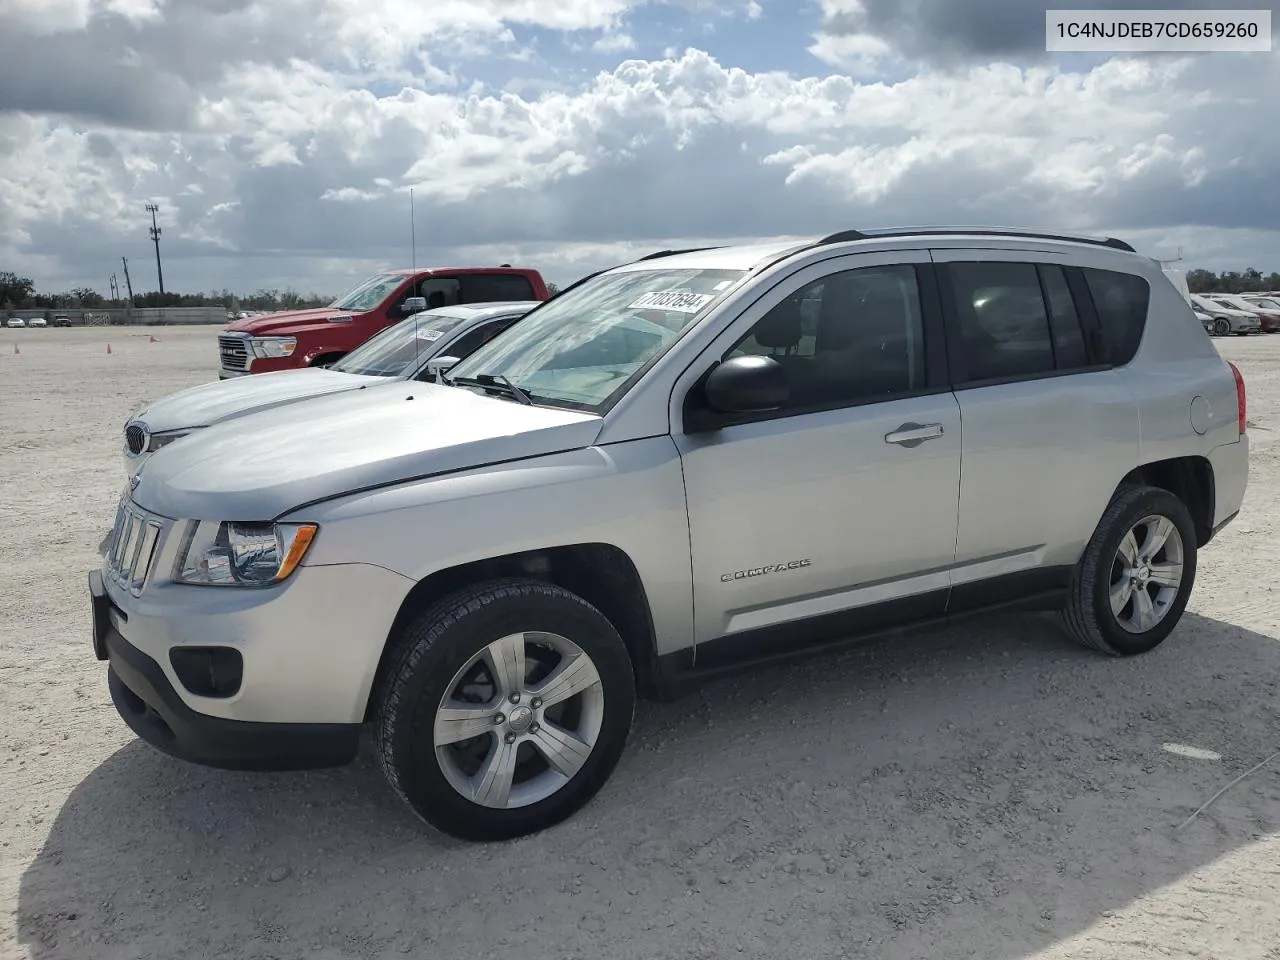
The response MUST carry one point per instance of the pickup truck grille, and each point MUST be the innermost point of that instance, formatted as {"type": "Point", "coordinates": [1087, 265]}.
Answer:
{"type": "Point", "coordinates": [132, 548]}
{"type": "Point", "coordinates": [233, 352]}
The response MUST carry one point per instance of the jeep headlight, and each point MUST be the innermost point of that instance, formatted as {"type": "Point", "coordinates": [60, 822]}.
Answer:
{"type": "Point", "coordinates": [242, 554]}
{"type": "Point", "coordinates": [267, 347]}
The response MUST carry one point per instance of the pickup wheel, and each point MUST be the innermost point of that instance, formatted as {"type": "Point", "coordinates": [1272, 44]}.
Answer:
{"type": "Point", "coordinates": [505, 708]}
{"type": "Point", "coordinates": [1132, 583]}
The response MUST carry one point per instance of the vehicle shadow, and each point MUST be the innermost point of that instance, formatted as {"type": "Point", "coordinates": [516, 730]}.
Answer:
{"type": "Point", "coordinates": [981, 791]}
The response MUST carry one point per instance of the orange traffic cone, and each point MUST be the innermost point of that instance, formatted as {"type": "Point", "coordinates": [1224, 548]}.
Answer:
{"type": "Point", "coordinates": [153, 339]}
{"type": "Point", "coordinates": [108, 348]}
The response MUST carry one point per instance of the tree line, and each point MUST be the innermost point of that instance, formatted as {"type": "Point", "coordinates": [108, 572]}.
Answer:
{"type": "Point", "coordinates": [19, 293]}
{"type": "Point", "coordinates": [1232, 281]}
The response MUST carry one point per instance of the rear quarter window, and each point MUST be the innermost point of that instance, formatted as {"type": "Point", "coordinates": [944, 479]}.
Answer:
{"type": "Point", "coordinates": [1121, 300]}
{"type": "Point", "coordinates": [488, 288]}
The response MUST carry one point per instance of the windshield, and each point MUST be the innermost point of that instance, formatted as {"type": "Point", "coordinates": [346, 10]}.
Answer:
{"type": "Point", "coordinates": [581, 349]}
{"type": "Point", "coordinates": [370, 293]}
{"type": "Point", "coordinates": [400, 349]}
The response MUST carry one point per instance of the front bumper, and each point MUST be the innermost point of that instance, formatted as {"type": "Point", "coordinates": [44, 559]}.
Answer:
{"type": "Point", "coordinates": [149, 704]}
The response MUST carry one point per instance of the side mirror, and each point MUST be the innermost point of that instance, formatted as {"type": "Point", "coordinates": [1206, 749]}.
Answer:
{"type": "Point", "coordinates": [748, 385]}
{"type": "Point", "coordinates": [437, 367]}
{"type": "Point", "coordinates": [414, 305]}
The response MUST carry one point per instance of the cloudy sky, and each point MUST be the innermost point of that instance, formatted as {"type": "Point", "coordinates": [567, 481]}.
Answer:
{"type": "Point", "coordinates": [280, 138]}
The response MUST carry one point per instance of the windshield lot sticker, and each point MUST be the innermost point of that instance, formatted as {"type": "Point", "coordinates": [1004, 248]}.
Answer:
{"type": "Point", "coordinates": [671, 300]}
{"type": "Point", "coordinates": [430, 335]}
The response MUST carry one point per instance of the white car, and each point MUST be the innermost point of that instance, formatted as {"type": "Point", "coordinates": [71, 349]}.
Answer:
{"type": "Point", "coordinates": [37, 322]}
{"type": "Point", "coordinates": [402, 351]}
{"type": "Point", "coordinates": [682, 466]}
{"type": "Point", "coordinates": [15, 322]}
{"type": "Point", "coordinates": [1226, 319]}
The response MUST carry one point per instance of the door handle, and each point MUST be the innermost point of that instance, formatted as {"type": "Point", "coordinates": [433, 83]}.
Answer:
{"type": "Point", "coordinates": [913, 434]}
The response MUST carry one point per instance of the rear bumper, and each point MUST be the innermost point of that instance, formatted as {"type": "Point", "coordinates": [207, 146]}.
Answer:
{"type": "Point", "coordinates": [1230, 463]}
{"type": "Point", "coordinates": [148, 703]}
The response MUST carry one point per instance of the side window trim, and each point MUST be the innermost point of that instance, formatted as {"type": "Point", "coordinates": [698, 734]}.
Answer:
{"type": "Point", "coordinates": [1095, 343]}
{"type": "Point", "coordinates": [698, 418]}
{"type": "Point", "coordinates": [1048, 314]}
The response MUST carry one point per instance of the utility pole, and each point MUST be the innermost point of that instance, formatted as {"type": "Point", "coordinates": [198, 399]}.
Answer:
{"type": "Point", "coordinates": [127, 282]}
{"type": "Point", "coordinates": [155, 238]}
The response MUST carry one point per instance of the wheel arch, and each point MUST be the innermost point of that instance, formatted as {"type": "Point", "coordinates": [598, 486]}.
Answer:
{"type": "Point", "coordinates": [601, 573]}
{"type": "Point", "coordinates": [1190, 479]}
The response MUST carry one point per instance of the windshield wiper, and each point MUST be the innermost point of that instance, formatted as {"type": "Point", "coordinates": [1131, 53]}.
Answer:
{"type": "Point", "coordinates": [489, 381]}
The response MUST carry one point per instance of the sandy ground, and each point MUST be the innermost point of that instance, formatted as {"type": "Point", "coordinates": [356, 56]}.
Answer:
{"type": "Point", "coordinates": [988, 792]}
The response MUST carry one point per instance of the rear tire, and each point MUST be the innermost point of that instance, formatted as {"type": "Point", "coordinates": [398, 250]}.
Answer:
{"type": "Point", "coordinates": [463, 735]}
{"type": "Point", "coordinates": [1105, 608]}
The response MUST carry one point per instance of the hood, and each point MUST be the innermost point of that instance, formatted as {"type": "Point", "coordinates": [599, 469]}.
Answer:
{"type": "Point", "coordinates": [210, 403]}
{"type": "Point", "coordinates": [261, 467]}
{"type": "Point", "coordinates": [285, 321]}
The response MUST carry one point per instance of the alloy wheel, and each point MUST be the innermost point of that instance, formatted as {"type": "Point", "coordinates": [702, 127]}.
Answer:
{"type": "Point", "coordinates": [519, 720]}
{"type": "Point", "coordinates": [1146, 573]}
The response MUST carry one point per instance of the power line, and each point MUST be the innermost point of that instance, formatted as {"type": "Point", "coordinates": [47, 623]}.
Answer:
{"type": "Point", "coordinates": [155, 238]}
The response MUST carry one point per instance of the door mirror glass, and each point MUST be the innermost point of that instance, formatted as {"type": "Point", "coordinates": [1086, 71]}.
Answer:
{"type": "Point", "coordinates": [748, 385]}
{"type": "Point", "coordinates": [414, 305]}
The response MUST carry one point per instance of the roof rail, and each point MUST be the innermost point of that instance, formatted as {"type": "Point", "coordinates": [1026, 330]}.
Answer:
{"type": "Point", "coordinates": [845, 236]}
{"type": "Point", "coordinates": [595, 273]}
{"type": "Point", "coordinates": [672, 253]}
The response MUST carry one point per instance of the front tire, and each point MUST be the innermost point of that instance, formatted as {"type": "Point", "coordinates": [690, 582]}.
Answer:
{"type": "Point", "coordinates": [1221, 326]}
{"type": "Point", "coordinates": [1132, 582]}
{"type": "Point", "coordinates": [505, 709]}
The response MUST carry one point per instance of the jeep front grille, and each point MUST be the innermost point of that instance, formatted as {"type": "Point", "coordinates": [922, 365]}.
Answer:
{"type": "Point", "coordinates": [132, 548]}
{"type": "Point", "coordinates": [233, 352]}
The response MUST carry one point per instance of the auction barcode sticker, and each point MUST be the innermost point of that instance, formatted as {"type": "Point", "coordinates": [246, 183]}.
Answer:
{"type": "Point", "coordinates": [678, 300]}
{"type": "Point", "coordinates": [1157, 31]}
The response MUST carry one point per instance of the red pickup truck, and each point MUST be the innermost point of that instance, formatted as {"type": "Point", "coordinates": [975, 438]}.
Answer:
{"type": "Point", "coordinates": [304, 338]}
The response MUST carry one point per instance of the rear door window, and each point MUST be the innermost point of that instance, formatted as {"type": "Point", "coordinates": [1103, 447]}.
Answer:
{"type": "Point", "coordinates": [492, 287]}
{"type": "Point", "coordinates": [1002, 319]}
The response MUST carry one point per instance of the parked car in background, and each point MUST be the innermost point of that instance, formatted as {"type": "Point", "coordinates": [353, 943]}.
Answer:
{"type": "Point", "coordinates": [1268, 310]}
{"type": "Point", "coordinates": [61, 320]}
{"type": "Point", "coordinates": [664, 474]}
{"type": "Point", "coordinates": [305, 338]}
{"type": "Point", "coordinates": [15, 322]}
{"type": "Point", "coordinates": [1206, 321]}
{"type": "Point", "coordinates": [37, 322]}
{"type": "Point", "coordinates": [398, 352]}
{"type": "Point", "coordinates": [1227, 320]}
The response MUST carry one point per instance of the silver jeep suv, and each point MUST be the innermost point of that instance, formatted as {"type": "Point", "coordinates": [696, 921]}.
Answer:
{"type": "Point", "coordinates": [678, 466]}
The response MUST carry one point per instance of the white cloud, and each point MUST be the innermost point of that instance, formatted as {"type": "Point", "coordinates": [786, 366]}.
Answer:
{"type": "Point", "coordinates": [614, 43]}
{"type": "Point", "coordinates": [293, 167]}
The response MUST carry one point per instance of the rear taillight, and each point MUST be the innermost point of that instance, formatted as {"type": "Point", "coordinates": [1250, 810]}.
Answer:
{"type": "Point", "coordinates": [1240, 397]}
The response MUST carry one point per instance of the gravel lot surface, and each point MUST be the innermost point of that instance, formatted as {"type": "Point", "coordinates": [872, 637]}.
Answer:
{"type": "Point", "coordinates": [989, 792]}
